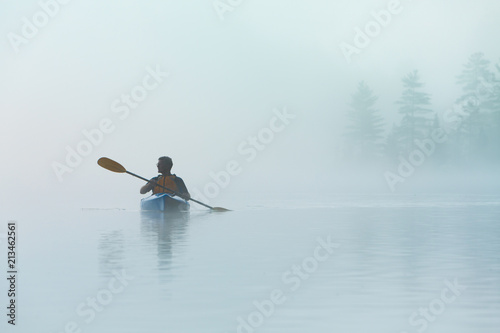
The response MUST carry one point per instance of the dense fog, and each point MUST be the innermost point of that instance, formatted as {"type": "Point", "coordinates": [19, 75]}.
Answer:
{"type": "Point", "coordinates": [282, 96]}
{"type": "Point", "coordinates": [343, 155]}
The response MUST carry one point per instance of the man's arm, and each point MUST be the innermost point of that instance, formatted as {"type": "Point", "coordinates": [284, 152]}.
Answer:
{"type": "Point", "coordinates": [182, 188]}
{"type": "Point", "coordinates": [149, 186]}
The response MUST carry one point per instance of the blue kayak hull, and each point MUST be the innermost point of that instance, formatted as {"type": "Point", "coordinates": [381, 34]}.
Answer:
{"type": "Point", "coordinates": [165, 202]}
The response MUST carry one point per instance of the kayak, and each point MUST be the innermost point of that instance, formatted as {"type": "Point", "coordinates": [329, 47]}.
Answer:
{"type": "Point", "coordinates": [165, 202]}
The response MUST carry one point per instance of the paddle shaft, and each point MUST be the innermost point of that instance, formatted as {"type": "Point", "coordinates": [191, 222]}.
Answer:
{"type": "Point", "coordinates": [166, 188]}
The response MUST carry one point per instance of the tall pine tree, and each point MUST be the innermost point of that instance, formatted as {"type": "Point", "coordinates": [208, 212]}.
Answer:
{"type": "Point", "coordinates": [477, 83]}
{"type": "Point", "coordinates": [365, 128]}
{"type": "Point", "coordinates": [494, 117]}
{"type": "Point", "coordinates": [417, 118]}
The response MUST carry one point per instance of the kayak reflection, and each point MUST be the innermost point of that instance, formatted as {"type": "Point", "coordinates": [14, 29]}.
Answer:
{"type": "Point", "coordinates": [168, 231]}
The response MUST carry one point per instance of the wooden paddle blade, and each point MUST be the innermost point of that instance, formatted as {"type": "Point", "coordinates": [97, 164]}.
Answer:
{"type": "Point", "coordinates": [220, 209]}
{"type": "Point", "coordinates": [111, 165]}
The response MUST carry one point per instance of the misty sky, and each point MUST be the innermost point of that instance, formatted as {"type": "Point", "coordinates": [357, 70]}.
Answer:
{"type": "Point", "coordinates": [225, 78]}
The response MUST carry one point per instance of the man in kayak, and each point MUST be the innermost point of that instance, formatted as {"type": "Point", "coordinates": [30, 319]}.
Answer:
{"type": "Point", "coordinates": [167, 179]}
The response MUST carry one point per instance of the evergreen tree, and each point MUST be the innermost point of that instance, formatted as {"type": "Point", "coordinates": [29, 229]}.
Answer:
{"type": "Point", "coordinates": [365, 128]}
{"type": "Point", "coordinates": [416, 120]}
{"type": "Point", "coordinates": [477, 82]}
{"type": "Point", "coordinates": [393, 147]}
{"type": "Point", "coordinates": [496, 98]}
{"type": "Point", "coordinates": [494, 117]}
{"type": "Point", "coordinates": [476, 77]}
{"type": "Point", "coordinates": [496, 91]}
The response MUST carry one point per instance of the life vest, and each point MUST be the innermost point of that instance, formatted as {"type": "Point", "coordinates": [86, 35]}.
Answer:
{"type": "Point", "coordinates": [167, 181]}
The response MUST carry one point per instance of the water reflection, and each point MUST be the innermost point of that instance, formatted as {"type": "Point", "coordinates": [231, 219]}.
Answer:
{"type": "Point", "coordinates": [393, 261]}
{"type": "Point", "coordinates": [166, 232]}
{"type": "Point", "coordinates": [111, 252]}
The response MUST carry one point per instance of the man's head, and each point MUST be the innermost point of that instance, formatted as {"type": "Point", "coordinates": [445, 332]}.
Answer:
{"type": "Point", "coordinates": [164, 164]}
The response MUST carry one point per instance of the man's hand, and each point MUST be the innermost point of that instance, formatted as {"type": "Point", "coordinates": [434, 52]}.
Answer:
{"type": "Point", "coordinates": [149, 185]}
{"type": "Point", "coordinates": [152, 182]}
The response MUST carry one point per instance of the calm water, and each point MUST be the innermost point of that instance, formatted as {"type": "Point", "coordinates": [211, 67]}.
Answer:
{"type": "Point", "coordinates": [340, 264]}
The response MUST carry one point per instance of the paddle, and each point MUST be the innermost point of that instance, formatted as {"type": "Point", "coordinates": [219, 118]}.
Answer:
{"type": "Point", "coordinates": [111, 165]}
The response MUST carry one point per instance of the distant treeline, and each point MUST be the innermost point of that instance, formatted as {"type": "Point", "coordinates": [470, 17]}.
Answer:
{"type": "Point", "coordinates": [467, 133]}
